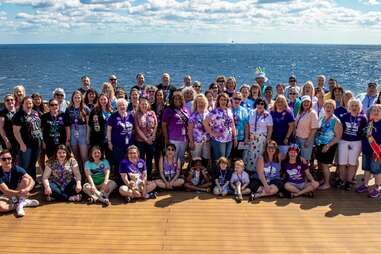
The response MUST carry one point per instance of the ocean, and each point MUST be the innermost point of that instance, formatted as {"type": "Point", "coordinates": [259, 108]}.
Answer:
{"type": "Point", "coordinates": [41, 68]}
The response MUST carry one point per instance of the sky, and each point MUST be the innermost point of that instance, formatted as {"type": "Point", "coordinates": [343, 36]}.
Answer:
{"type": "Point", "coordinates": [190, 21]}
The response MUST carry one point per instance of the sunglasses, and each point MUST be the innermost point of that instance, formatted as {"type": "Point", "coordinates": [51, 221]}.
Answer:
{"type": "Point", "coordinates": [6, 158]}
{"type": "Point", "coordinates": [112, 79]}
{"type": "Point", "coordinates": [292, 93]}
{"type": "Point", "coordinates": [153, 91]}
{"type": "Point", "coordinates": [261, 104]}
{"type": "Point", "coordinates": [170, 149]}
{"type": "Point", "coordinates": [53, 105]}
{"type": "Point", "coordinates": [9, 100]}
{"type": "Point", "coordinates": [220, 81]}
{"type": "Point", "coordinates": [59, 95]}
{"type": "Point", "coordinates": [196, 86]}
{"type": "Point", "coordinates": [292, 80]}
{"type": "Point", "coordinates": [237, 99]}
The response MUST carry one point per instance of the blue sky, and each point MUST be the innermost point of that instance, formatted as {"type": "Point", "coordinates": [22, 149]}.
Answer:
{"type": "Point", "coordinates": [136, 21]}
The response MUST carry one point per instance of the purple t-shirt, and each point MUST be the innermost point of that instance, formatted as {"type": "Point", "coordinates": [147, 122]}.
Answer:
{"type": "Point", "coordinates": [280, 125]}
{"type": "Point", "coordinates": [199, 133]}
{"type": "Point", "coordinates": [353, 126]}
{"type": "Point", "coordinates": [133, 170]}
{"type": "Point", "coordinates": [176, 123]}
{"type": "Point", "coordinates": [122, 128]}
{"type": "Point", "coordinates": [295, 172]}
{"type": "Point", "coordinates": [221, 121]}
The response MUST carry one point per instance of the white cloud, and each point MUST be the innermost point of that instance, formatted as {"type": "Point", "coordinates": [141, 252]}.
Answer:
{"type": "Point", "coordinates": [371, 2]}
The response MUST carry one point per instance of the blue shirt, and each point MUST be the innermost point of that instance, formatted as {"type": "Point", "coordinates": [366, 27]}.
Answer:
{"type": "Point", "coordinates": [241, 118]}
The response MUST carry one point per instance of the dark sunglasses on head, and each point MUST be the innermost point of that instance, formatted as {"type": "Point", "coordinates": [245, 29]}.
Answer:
{"type": "Point", "coordinates": [6, 158]}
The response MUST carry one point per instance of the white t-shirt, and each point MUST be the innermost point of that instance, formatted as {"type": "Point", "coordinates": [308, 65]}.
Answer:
{"type": "Point", "coordinates": [259, 123]}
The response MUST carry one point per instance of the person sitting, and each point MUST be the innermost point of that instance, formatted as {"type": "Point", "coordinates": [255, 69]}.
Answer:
{"type": "Point", "coordinates": [240, 181]}
{"type": "Point", "coordinates": [267, 181]}
{"type": "Point", "coordinates": [222, 177]}
{"type": "Point", "coordinates": [133, 172]}
{"type": "Point", "coordinates": [15, 185]}
{"type": "Point", "coordinates": [61, 178]}
{"type": "Point", "coordinates": [97, 171]}
{"type": "Point", "coordinates": [296, 171]}
{"type": "Point", "coordinates": [169, 169]}
{"type": "Point", "coordinates": [197, 177]}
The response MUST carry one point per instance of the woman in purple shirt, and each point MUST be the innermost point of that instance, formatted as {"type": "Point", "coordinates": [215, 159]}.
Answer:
{"type": "Point", "coordinates": [175, 124]}
{"type": "Point", "coordinates": [120, 126]}
{"type": "Point", "coordinates": [299, 180]}
{"type": "Point", "coordinates": [349, 151]}
{"type": "Point", "coordinates": [219, 124]}
{"type": "Point", "coordinates": [133, 172]}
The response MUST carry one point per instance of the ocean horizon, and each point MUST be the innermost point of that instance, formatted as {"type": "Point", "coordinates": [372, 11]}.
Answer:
{"type": "Point", "coordinates": [43, 67]}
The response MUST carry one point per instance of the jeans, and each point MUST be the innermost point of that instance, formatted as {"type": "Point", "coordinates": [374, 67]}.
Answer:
{"type": "Point", "coordinates": [28, 159]}
{"type": "Point", "coordinates": [147, 152]}
{"type": "Point", "coordinates": [220, 149]}
{"type": "Point", "coordinates": [64, 193]}
{"type": "Point", "coordinates": [118, 154]}
{"type": "Point", "coordinates": [180, 149]}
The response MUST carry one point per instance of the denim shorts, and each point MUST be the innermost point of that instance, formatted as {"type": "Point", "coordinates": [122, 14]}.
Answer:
{"type": "Point", "coordinates": [305, 152]}
{"type": "Point", "coordinates": [375, 167]}
{"type": "Point", "coordinates": [366, 160]}
{"type": "Point", "coordinates": [78, 137]}
{"type": "Point", "coordinates": [299, 186]}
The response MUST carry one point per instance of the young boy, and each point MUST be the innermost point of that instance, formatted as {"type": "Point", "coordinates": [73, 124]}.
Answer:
{"type": "Point", "coordinates": [240, 181]}
{"type": "Point", "coordinates": [222, 177]}
{"type": "Point", "coordinates": [197, 177]}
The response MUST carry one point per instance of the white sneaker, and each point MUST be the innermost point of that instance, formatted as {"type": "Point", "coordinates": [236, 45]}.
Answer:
{"type": "Point", "coordinates": [20, 211]}
{"type": "Point", "coordinates": [31, 203]}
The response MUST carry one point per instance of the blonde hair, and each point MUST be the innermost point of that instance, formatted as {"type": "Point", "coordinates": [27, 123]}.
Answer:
{"type": "Point", "coordinates": [354, 101]}
{"type": "Point", "coordinates": [239, 163]}
{"type": "Point", "coordinates": [223, 159]}
{"type": "Point", "coordinates": [200, 97]}
{"type": "Point", "coordinates": [330, 101]}
{"type": "Point", "coordinates": [106, 87]}
{"type": "Point", "coordinates": [278, 98]}
{"type": "Point", "coordinates": [309, 83]}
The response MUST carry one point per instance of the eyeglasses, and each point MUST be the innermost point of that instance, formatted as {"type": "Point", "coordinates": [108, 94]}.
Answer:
{"type": "Point", "coordinates": [6, 158]}
{"type": "Point", "coordinates": [53, 105]}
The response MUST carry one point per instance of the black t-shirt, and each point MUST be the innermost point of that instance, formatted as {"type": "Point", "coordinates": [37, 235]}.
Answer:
{"type": "Point", "coordinates": [53, 128]}
{"type": "Point", "coordinates": [168, 91]}
{"type": "Point", "coordinates": [13, 177]}
{"type": "Point", "coordinates": [223, 176]}
{"type": "Point", "coordinates": [8, 125]}
{"type": "Point", "coordinates": [30, 126]}
{"type": "Point", "coordinates": [98, 124]}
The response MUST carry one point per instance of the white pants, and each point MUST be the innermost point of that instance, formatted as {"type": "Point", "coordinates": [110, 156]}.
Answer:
{"type": "Point", "coordinates": [349, 152]}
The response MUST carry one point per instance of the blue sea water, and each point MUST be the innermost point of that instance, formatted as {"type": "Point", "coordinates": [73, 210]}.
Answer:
{"type": "Point", "coordinates": [41, 68]}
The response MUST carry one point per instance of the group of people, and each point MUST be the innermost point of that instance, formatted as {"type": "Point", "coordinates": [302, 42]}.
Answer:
{"type": "Point", "coordinates": [255, 140]}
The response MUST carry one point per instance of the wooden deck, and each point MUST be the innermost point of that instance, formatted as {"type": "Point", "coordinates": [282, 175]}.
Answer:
{"type": "Point", "coordinates": [334, 221]}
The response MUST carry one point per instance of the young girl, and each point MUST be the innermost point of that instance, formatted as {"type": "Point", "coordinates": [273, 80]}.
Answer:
{"type": "Point", "coordinates": [169, 170]}
{"type": "Point", "coordinates": [296, 170]}
{"type": "Point", "coordinates": [222, 177]}
{"type": "Point", "coordinates": [372, 153]}
{"type": "Point", "coordinates": [240, 181]}
{"type": "Point", "coordinates": [133, 172]}
{"type": "Point", "coordinates": [197, 177]}
{"type": "Point", "coordinates": [97, 171]}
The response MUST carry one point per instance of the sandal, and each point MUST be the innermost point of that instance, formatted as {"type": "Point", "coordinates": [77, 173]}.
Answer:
{"type": "Point", "coordinates": [75, 198]}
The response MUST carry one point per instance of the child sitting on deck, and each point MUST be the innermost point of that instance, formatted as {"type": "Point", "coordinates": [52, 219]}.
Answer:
{"type": "Point", "coordinates": [240, 181]}
{"type": "Point", "coordinates": [197, 177]}
{"type": "Point", "coordinates": [222, 177]}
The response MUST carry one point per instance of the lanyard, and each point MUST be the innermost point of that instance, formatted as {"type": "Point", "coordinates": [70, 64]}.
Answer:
{"type": "Point", "coordinates": [301, 116]}
{"type": "Point", "coordinates": [257, 118]}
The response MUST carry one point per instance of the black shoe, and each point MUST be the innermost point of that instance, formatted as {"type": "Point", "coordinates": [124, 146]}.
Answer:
{"type": "Point", "coordinates": [237, 199]}
{"type": "Point", "coordinates": [339, 184]}
{"type": "Point", "coordinates": [153, 195]}
{"type": "Point", "coordinates": [347, 186]}
{"type": "Point", "coordinates": [127, 200]}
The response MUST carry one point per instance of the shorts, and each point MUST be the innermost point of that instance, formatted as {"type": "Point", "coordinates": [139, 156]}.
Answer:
{"type": "Point", "coordinates": [366, 160]}
{"type": "Point", "coordinates": [305, 152]}
{"type": "Point", "coordinates": [79, 138]}
{"type": "Point", "coordinates": [283, 149]}
{"type": "Point", "coordinates": [256, 183]}
{"type": "Point", "coordinates": [349, 152]}
{"type": "Point", "coordinates": [299, 186]}
{"type": "Point", "coordinates": [201, 150]}
{"type": "Point", "coordinates": [325, 158]}
{"type": "Point", "coordinates": [375, 167]}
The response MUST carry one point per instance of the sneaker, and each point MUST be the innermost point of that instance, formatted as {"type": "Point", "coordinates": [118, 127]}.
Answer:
{"type": "Point", "coordinates": [153, 195]}
{"type": "Point", "coordinates": [31, 203]}
{"type": "Point", "coordinates": [362, 188]}
{"type": "Point", "coordinates": [127, 200]}
{"type": "Point", "coordinates": [237, 199]}
{"type": "Point", "coordinates": [20, 211]}
{"type": "Point", "coordinates": [374, 193]}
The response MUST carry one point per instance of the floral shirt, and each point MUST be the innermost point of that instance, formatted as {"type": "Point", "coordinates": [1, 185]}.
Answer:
{"type": "Point", "coordinates": [62, 174]}
{"type": "Point", "coordinates": [147, 123]}
{"type": "Point", "coordinates": [221, 121]}
{"type": "Point", "coordinates": [199, 133]}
